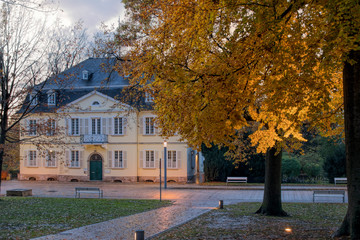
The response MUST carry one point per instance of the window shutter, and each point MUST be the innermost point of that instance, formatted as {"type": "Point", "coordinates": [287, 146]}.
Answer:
{"type": "Point", "coordinates": [26, 158]}
{"type": "Point", "coordinates": [81, 158]}
{"type": "Point", "coordinates": [68, 121]}
{"type": "Point", "coordinates": [141, 159]}
{"type": "Point", "coordinates": [156, 159]}
{"type": "Point", "coordinates": [82, 130]}
{"type": "Point", "coordinates": [178, 159]}
{"type": "Point", "coordinates": [110, 126]}
{"type": "Point", "coordinates": [37, 159]}
{"type": "Point", "coordinates": [27, 127]}
{"type": "Point", "coordinates": [156, 129]}
{"type": "Point", "coordinates": [44, 158]}
{"type": "Point", "coordinates": [109, 159]}
{"type": "Point", "coordinates": [67, 158]}
{"type": "Point", "coordinates": [55, 159]}
{"type": "Point", "coordinates": [86, 130]}
{"type": "Point", "coordinates": [124, 126]}
{"type": "Point", "coordinates": [104, 126]}
{"type": "Point", "coordinates": [124, 159]}
{"type": "Point", "coordinates": [141, 124]}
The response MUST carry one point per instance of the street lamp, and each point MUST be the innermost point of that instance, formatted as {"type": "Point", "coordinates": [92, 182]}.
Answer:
{"type": "Point", "coordinates": [165, 165]}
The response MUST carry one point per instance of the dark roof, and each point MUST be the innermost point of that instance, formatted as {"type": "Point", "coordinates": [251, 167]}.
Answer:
{"type": "Point", "coordinates": [70, 86]}
{"type": "Point", "coordinates": [101, 74]}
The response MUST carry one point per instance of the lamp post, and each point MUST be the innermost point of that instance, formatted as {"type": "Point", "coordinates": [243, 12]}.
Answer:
{"type": "Point", "coordinates": [165, 165]}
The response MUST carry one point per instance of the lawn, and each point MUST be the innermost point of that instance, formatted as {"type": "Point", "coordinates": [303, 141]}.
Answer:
{"type": "Point", "coordinates": [24, 218]}
{"type": "Point", "coordinates": [307, 221]}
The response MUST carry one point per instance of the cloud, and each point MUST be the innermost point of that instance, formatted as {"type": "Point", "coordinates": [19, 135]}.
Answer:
{"type": "Point", "coordinates": [92, 12]}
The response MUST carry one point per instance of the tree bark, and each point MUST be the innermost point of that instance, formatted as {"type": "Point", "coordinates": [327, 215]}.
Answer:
{"type": "Point", "coordinates": [271, 204]}
{"type": "Point", "coordinates": [351, 83]}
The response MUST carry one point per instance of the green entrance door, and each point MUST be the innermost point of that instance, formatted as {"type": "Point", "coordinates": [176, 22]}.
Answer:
{"type": "Point", "coordinates": [95, 167]}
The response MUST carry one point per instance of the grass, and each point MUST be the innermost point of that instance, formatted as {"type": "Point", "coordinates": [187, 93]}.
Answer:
{"type": "Point", "coordinates": [24, 218]}
{"type": "Point", "coordinates": [307, 221]}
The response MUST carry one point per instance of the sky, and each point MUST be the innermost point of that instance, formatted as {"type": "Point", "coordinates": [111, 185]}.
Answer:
{"type": "Point", "coordinates": [92, 12]}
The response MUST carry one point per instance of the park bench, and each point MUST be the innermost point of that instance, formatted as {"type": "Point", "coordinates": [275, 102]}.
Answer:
{"type": "Point", "coordinates": [236, 180]}
{"type": "Point", "coordinates": [79, 190]}
{"type": "Point", "coordinates": [329, 193]}
{"type": "Point", "coordinates": [340, 180]}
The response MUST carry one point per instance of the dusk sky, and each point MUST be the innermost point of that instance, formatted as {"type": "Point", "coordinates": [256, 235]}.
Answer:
{"type": "Point", "coordinates": [92, 12]}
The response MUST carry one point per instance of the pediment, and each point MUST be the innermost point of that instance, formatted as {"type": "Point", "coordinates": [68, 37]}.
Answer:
{"type": "Point", "coordinates": [95, 102]}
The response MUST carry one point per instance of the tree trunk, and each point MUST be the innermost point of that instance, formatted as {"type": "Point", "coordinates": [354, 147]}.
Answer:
{"type": "Point", "coordinates": [351, 83]}
{"type": "Point", "coordinates": [271, 204]}
{"type": "Point", "coordinates": [1, 163]}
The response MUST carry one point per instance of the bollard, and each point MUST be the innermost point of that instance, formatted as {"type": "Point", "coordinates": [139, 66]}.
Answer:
{"type": "Point", "coordinates": [139, 235]}
{"type": "Point", "coordinates": [221, 204]}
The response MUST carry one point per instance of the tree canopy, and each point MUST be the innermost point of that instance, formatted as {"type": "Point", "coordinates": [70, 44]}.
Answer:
{"type": "Point", "coordinates": [218, 64]}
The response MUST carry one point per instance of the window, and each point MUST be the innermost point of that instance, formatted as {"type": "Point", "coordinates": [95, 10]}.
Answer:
{"type": "Point", "coordinates": [32, 127]}
{"type": "Point", "coordinates": [32, 159]}
{"type": "Point", "coordinates": [149, 126]}
{"type": "Point", "coordinates": [149, 97]}
{"type": "Point", "coordinates": [96, 126]}
{"type": "Point", "coordinates": [149, 159]}
{"type": "Point", "coordinates": [118, 159]}
{"type": "Point", "coordinates": [171, 159]}
{"type": "Point", "coordinates": [50, 159]}
{"type": "Point", "coordinates": [51, 98]}
{"type": "Point", "coordinates": [85, 75]}
{"type": "Point", "coordinates": [118, 126]}
{"type": "Point", "coordinates": [74, 126]}
{"type": "Point", "coordinates": [74, 162]}
{"type": "Point", "coordinates": [33, 99]}
{"type": "Point", "coordinates": [95, 103]}
{"type": "Point", "coordinates": [51, 125]}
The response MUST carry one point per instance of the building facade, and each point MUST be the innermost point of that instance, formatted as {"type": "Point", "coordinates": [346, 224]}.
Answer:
{"type": "Point", "coordinates": [87, 124]}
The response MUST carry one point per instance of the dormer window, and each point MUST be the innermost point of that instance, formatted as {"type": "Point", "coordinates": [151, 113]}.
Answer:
{"type": "Point", "coordinates": [149, 97]}
{"type": "Point", "coordinates": [51, 98]}
{"type": "Point", "coordinates": [33, 99]}
{"type": "Point", "coordinates": [85, 75]}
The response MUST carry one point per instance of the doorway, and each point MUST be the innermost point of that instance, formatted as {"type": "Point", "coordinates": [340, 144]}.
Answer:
{"type": "Point", "coordinates": [96, 167]}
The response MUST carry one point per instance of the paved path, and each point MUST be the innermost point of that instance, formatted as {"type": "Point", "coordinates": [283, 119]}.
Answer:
{"type": "Point", "coordinates": [190, 201]}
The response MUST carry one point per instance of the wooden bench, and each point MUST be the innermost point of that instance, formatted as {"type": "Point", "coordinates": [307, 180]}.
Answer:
{"type": "Point", "coordinates": [329, 193]}
{"type": "Point", "coordinates": [236, 180]}
{"type": "Point", "coordinates": [79, 190]}
{"type": "Point", "coordinates": [340, 180]}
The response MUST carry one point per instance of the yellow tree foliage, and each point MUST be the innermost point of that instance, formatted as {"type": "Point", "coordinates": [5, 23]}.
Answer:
{"type": "Point", "coordinates": [216, 64]}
